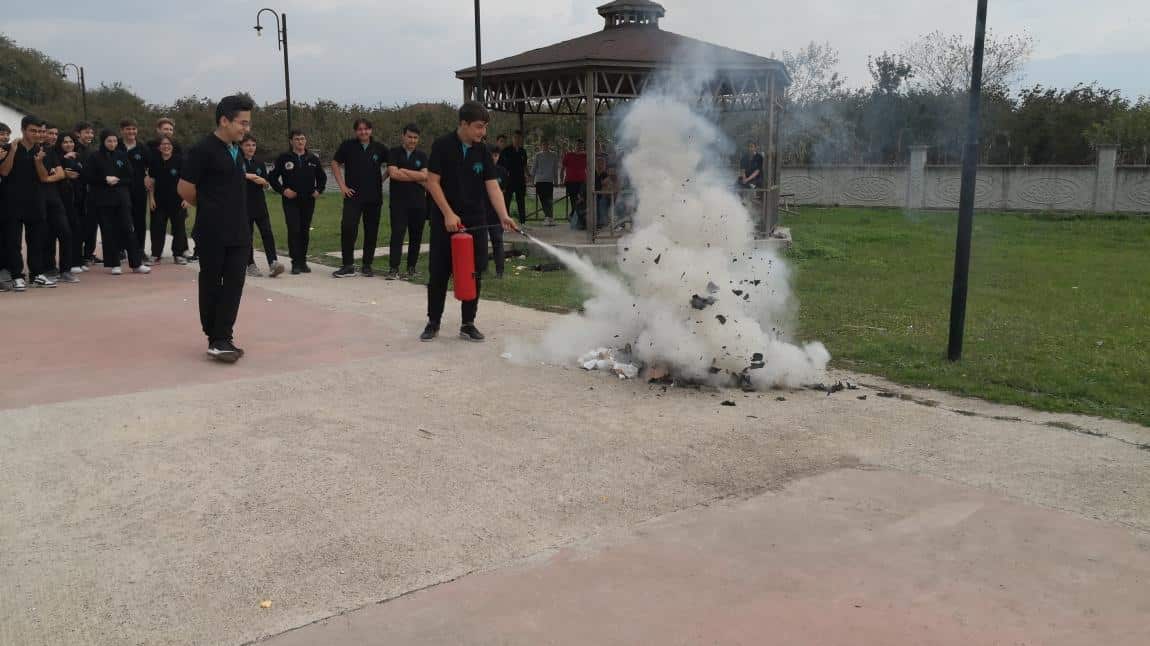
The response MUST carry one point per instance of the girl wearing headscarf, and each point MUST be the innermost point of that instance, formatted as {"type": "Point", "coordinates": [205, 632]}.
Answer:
{"type": "Point", "coordinates": [108, 175]}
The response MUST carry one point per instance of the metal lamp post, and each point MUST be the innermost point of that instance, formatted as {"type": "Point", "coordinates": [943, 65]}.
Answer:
{"type": "Point", "coordinates": [966, 198]}
{"type": "Point", "coordinates": [83, 89]}
{"type": "Point", "coordinates": [478, 58]}
{"type": "Point", "coordinates": [282, 45]}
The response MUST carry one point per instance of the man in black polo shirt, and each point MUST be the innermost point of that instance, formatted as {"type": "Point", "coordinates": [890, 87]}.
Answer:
{"type": "Point", "coordinates": [461, 180]}
{"type": "Point", "coordinates": [751, 167]}
{"type": "Point", "coordinates": [407, 168]}
{"type": "Point", "coordinates": [89, 221]}
{"type": "Point", "coordinates": [213, 180]}
{"type": "Point", "coordinates": [299, 178]}
{"type": "Point", "coordinates": [24, 173]}
{"type": "Point", "coordinates": [141, 157]}
{"type": "Point", "coordinates": [514, 159]}
{"type": "Point", "coordinates": [356, 166]}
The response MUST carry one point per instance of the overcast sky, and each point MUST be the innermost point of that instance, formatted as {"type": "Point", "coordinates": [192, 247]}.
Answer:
{"type": "Point", "coordinates": [390, 51]}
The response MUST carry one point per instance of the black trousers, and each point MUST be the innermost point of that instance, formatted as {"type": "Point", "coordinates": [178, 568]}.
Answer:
{"type": "Point", "coordinates": [576, 200]}
{"type": "Point", "coordinates": [90, 224]}
{"type": "Point", "coordinates": [297, 214]}
{"type": "Point", "coordinates": [3, 226]}
{"type": "Point", "coordinates": [222, 274]}
{"type": "Point", "coordinates": [178, 218]}
{"type": "Point", "coordinates": [263, 221]}
{"type": "Point", "coordinates": [349, 230]}
{"type": "Point", "coordinates": [76, 249]}
{"type": "Point", "coordinates": [440, 271]}
{"type": "Point", "coordinates": [24, 219]}
{"type": "Point", "coordinates": [406, 221]}
{"type": "Point", "coordinates": [519, 192]}
{"type": "Point", "coordinates": [546, 193]}
{"type": "Point", "coordinates": [118, 233]}
{"type": "Point", "coordinates": [498, 253]}
{"type": "Point", "coordinates": [140, 215]}
{"type": "Point", "coordinates": [58, 230]}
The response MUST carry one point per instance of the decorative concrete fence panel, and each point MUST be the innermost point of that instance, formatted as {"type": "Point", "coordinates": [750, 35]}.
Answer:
{"type": "Point", "coordinates": [1103, 188]}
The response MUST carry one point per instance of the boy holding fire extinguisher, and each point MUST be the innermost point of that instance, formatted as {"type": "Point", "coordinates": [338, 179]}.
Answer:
{"type": "Point", "coordinates": [462, 181]}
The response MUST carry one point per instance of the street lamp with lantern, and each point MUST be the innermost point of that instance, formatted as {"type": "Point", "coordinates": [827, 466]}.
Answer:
{"type": "Point", "coordinates": [282, 45]}
{"type": "Point", "coordinates": [83, 89]}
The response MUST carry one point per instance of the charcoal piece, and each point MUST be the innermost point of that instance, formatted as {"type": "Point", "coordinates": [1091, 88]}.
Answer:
{"type": "Point", "coordinates": [701, 303]}
{"type": "Point", "coordinates": [727, 403]}
{"type": "Point", "coordinates": [658, 258]}
{"type": "Point", "coordinates": [712, 288]}
{"type": "Point", "coordinates": [722, 319]}
{"type": "Point", "coordinates": [737, 292]}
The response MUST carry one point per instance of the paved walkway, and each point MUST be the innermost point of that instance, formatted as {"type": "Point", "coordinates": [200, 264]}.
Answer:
{"type": "Point", "coordinates": [153, 497]}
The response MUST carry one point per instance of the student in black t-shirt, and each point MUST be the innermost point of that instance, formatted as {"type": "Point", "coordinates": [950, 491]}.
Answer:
{"type": "Point", "coordinates": [356, 166]}
{"type": "Point", "coordinates": [462, 182]}
{"type": "Point", "coordinates": [165, 127]}
{"type": "Point", "coordinates": [58, 229]}
{"type": "Point", "coordinates": [24, 173]}
{"type": "Point", "coordinates": [212, 180]}
{"type": "Point", "coordinates": [298, 176]}
{"type": "Point", "coordinates": [407, 168]}
{"type": "Point", "coordinates": [514, 159]}
{"type": "Point", "coordinates": [5, 146]}
{"type": "Point", "coordinates": [170, 207]}
{"type": "Point", "coordinates": [502, 176]}
{"type": "Point", "coordinates": [108, 173]}
{"type": "Point", "coordinates": [751, 168]}
{"type": "Point", "coordinates": [141, 157]}
{"type": "Point", "coordinates": [89, 220]}
{"type": "Point", "coordinates": [257, 176]}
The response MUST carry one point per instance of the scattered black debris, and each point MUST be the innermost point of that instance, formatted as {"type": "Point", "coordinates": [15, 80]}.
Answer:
{"type": "Point", "coordinates": [836, 388]}
{"type": "Point", "coordinates": [549, 266]}
{"type": "Point", "coordinates": [649, 249]}
{"type": "Point", "coordinates": [728, 403]}
{"type": "Point", "coordinates": [426, 433]}
{"type": "Point", "coordinates": [966, 413]}
{"type": "Point", "coordinates": [887, 395]}
{"type": "Point", "coordinates": [851, 385]}
{"type": "Point", "coordinates": [757, 357]}
{"type": "Point", "coordinates": [722, 319]}
{"type": "Point", "coordinates": [862, 397]}
{"type": "Point", "coordinates": [658, 258]}
{"type": "Point", "coordinates": [712, 288]}
{"type": "Point", "coordinates": [737, 292]}
{"type": "Point", "coordinates": [746, 297]}
{"type": "Point", "coordinates": [700, 303]}
{"type": "Point", "coordinates": [752, 417]}
{"type": "Point", "coordinates": [756, 282]}
{"type": "Point", "coordinates": [714, 370]}
{"type": "Point", "coordinates": [780, 399]}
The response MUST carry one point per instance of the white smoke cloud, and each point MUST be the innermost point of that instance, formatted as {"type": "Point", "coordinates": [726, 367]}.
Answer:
{"type": "Point", "coordinates": [696, 294]}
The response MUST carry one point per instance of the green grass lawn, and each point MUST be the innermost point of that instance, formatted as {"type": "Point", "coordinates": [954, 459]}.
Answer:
{"type": "Point", "coordinates": [1058, 314]}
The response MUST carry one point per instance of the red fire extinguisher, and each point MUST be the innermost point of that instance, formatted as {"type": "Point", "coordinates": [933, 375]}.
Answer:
{"type": "Point", "coordinates": [463, 266]}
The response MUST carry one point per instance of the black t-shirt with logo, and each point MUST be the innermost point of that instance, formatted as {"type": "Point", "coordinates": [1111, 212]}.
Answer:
{"type": "Point", "coordinates": [752, 163]}
{"type": "Point", "coordinates": [303, 174]}
{"type": "Point", "coordinates": [515, 161]}
{"type": "Point", "coordinates": [407, 195]}
{"type": "Point", "coordinates": [361, 169]}
{"type": "Point", "coordinates": [217, 170]}
{"type": "Point", "coordinates": [166, 173]}
{"type": "Point", "coordinates": [141, 157]}
{"type": "Point", "coordinates": [463, 171]}
{"type": "Point", "coordinates": [23, 185]}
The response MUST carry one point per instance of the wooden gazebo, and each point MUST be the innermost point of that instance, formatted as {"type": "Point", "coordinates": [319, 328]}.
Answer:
{"type": "Point", "coordinates": [617, 64]}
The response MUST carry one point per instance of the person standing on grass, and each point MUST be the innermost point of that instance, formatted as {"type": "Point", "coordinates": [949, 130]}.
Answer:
{"type": "Point", "coordinates": [501, 176]}
{"type": "Point", "coordinates": [24, 175]}
{"type": "Point", "coordinates": [462, 182]}
{"type": "Point", "coordinates": [212, 180]}
{"type": "Point", "coordinates": [545, 175]}
{"type": "Point", "coordinates": [513, 159]}
{"type": "Point", "coordinates": [109, 175]}
{"type": "Point", "coordinates": [257, 176]}
{"type": "Point", "coordinates": [751, 168]}
{"type": "Point", "coordinates": [141, 158]}
{"type": "Point", "coordinates": [299, 178]}
{"type": "Point", "coordinates": [407, 168]}
{"type": "Point", "coordinates": [356, 166]}
{"type": "Point", "coordinates": [170, 207]}
{"type": "Point", "coordinates": [574, 179]}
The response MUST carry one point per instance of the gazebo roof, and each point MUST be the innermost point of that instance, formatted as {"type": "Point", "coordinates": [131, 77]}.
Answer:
{"type": "Point", "coordinates": [626, 45]}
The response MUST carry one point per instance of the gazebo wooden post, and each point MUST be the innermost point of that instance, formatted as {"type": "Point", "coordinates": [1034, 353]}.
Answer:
{"type": "Point", "coordinates": [521, 108]}
{"type": "Point", "coordinates": [592, 153]}
{"type": "Point", "coordinates": [774, 180]}
{"type": "Point", "coordinates": [468, 91]}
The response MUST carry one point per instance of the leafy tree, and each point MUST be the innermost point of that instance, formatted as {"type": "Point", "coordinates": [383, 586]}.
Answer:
{"type": "Point", "coordinates": [941, 62]}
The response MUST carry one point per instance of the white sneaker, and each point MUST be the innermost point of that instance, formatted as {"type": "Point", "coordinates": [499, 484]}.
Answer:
{"type": "Point", "coordinates": [180, 260]}
{"type": "Point", "coordinates": [147, 262]}
{"type": "Point", "coordinates": [116, 271]}
{"type": "Point", "coordinates": [43, 281]}
{"type": "Point", "coordinates": [142, 269]}
{"type": "Point", "coordinates": [19, 285]}
{"type": "Point", "coordinates": [68, 277]}
{"type": "Point", "coordinates": [79, 270]}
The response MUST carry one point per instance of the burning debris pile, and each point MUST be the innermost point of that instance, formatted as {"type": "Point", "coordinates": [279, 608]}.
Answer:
{"type": "Point", "coordinates": [697, 300]}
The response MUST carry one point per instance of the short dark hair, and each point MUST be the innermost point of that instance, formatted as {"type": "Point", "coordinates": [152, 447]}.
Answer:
{"type": "Point", "coordinates": [165, 120]}
{"type": "Point", "coordinates": [296, 132]}
{"type": "Point", "coordinates": [232, 105]}
{"type": "Point", "coordinates": [361, 122]}
{"type": "Point", "coordinates": [248, 137]}
{"type": "Point", "coordinates": [30, 120]}
{"type": "Point", "coordinates": [50, 126]}
{"type": "Point", "coordinates": [108, 132]}
{"type": "Point", "coordinates": [503, 137]}
{"type": "Point", "coordinates": [493, 149]}
{"type": "Point", "coordinates": [82, 126]}
{"type": "Point", "coordinates": [412, 128]}
{"type": "Point", "coordinates": [5, 128]}
{"type": "Point", "coordinates": [473, 111]}
{"type": "Point", "coordinates": [128, 123]}
{"type": "Point", "coordinates": [162, 138]}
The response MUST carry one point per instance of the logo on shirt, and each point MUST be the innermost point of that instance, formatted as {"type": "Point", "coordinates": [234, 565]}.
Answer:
{"type": "Point", "coordinates": [477, 167]}
{"type": "Point", "coordinates": [289, 166]}
{"type": "Point", "coordinates": [174, 172]}
{"type": "Point", "coordinates": [137, 157]}
{"type": "Point", "coordinates": [120, 163]}
{"type": "Point", "coordinates": [418, 163]}
{"type": "Point", "coordinates": [375, 158]}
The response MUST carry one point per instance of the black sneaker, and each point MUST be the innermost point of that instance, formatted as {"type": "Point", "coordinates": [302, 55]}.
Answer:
{"type": "Point", "coordinates": [305, 268]}
{"type": "Point", "coordinates": [367, 272]}
{"type": "Point", "coordinates": [232, 346]}
{"type": "Point", "coordinates": [392, 275]}
{"type": "Point", "coordinates": [223, 351]}
{"type": "Point", "coordinates": [344, 272]}
{"type": "Point", "coordinates": [471, 333]}
{"type": "Point", "coordinates": [296, 270]}
{"type": "Point", "coordinates": [195, 257]}
{"type": "Point", "coordinates": [429, 332]}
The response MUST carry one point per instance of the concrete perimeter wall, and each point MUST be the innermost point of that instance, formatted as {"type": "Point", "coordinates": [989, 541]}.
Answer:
{"type": "Point", "coordinates": [1104, 188]}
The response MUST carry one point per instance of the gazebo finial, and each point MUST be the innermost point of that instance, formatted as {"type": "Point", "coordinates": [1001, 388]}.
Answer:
{"type": "Point", "coordinates": [631, 13]}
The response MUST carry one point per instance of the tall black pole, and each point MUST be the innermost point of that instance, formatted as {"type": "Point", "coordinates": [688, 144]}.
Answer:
{"type": "Point", "coordinates": [287, 75]}
{"type": "Point", "coordinates": [970, 158]}
{"type": "Point", "coordinates": [478, 57]}
{"type": "Point", "coordinates": [83, 94]}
